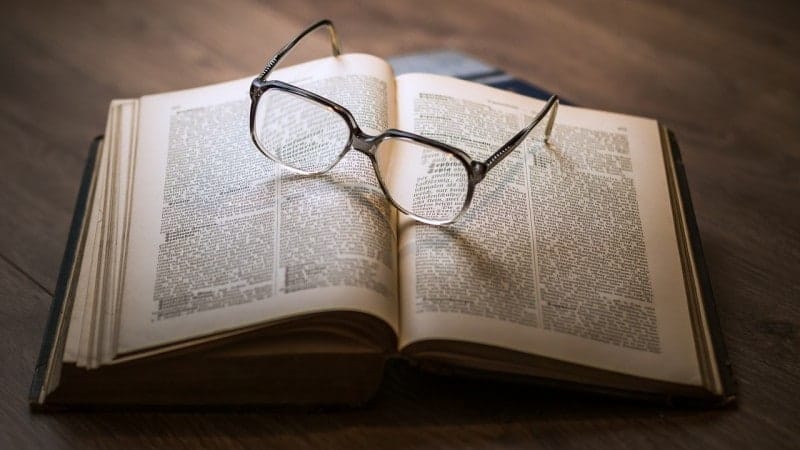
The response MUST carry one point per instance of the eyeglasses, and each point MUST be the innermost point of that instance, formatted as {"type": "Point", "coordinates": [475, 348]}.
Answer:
{"type": "Point", "coordinates": [308, 134]}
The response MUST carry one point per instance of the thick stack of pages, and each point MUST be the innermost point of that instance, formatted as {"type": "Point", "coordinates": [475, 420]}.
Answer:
{"type": "Point", "coordinates": [200, 272]}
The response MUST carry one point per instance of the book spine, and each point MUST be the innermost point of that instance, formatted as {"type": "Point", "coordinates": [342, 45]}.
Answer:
{"type": "Point", "coordinates": [35, 395]}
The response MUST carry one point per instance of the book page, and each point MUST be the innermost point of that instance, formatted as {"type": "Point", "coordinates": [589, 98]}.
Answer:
{"type": "Point", "coordinates": [568, 250]}
{"type": "Point", "coordinates": [93, 317]}
{"type": "Point", "coordinates": [223, 238]}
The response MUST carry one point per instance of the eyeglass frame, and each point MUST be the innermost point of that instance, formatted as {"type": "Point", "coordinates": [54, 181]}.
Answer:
{"type": "Point", "coordinates": [368, 144]}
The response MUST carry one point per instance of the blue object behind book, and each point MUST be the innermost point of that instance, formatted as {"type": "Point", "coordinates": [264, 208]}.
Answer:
{"type": "Point", "coordinates": [459, 65]}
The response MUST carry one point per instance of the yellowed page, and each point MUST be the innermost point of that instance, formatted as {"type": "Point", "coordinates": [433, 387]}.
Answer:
{"type": "Point", "coordinates": [222, 238]}
{"type": "Point", "coordinates": [82, 305]}
{"type": "Point", "coordinates": [92, 324]}
{"type": "Point", "coordinates": [120, 153]}
{"type": "Point", "coordinates": [88, 281]}
{"type": "Point", "coordinates": [568, 250]}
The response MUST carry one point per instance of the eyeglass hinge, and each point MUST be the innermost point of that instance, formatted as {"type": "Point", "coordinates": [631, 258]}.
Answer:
{"type": "Point", "coordinates": [478, 171]}
{"type": "Point", "coordinates": [255, 87]}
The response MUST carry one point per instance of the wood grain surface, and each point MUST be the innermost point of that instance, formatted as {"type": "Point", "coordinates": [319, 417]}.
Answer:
{"type": "Point", "coordinates": [723, 75]}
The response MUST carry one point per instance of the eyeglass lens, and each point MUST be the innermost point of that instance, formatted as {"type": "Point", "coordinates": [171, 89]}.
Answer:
{"type": "Point", "coordinates": [430, 183]}
{"type": "Point", "coordinates": [299, 133]}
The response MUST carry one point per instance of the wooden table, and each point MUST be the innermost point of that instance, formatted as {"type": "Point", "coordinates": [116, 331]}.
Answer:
{"type": "Point", "coordinates": [725, 77]}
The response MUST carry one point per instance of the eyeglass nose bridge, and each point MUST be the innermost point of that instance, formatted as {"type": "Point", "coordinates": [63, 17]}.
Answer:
{"type": "Point", "coordinates": [364, 143]}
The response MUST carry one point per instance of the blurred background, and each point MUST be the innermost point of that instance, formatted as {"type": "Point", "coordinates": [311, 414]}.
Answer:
{"type": "Point", "coordinates": [723, 75]}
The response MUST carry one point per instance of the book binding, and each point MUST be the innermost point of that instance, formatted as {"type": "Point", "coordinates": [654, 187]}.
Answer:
{"type": "Point", "coordinates": [58, 307]}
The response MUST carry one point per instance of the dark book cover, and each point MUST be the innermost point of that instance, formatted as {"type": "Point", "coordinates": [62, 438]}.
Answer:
{"type": "Point", "coordinates": [59, 309]}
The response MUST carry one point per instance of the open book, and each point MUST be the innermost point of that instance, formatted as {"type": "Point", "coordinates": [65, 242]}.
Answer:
{"type": "Point", "coordinates": [202, 272]}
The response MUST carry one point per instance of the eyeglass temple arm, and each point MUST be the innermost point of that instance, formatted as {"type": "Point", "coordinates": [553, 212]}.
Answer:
{"type": "Point", "coordinates": [514, 142]}
{"type": "Point", "coordinates": [335, 46]}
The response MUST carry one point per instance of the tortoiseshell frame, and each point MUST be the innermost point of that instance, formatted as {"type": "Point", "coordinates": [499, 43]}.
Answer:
{"type": "Point", "coordinates": [368, 144]}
